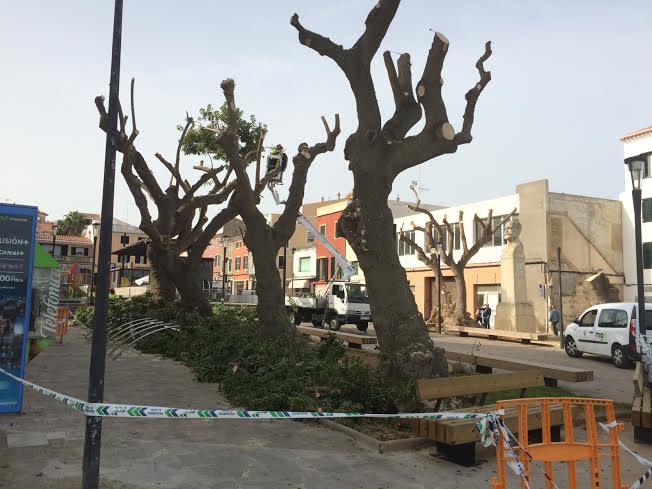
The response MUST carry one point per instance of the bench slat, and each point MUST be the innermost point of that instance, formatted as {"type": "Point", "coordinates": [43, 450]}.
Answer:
{"type": "Point", "coordinates": [348, 337]}
{"type": "Point", "coordinates": [431, 389]}
{"type": "Point", "coordinates": [460, 431]}
{"type": "Point", "coordinates": [568, 374]}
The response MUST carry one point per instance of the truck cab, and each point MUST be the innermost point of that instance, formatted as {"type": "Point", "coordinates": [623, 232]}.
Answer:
{"type": "Point", "coordinates": [348, 303]}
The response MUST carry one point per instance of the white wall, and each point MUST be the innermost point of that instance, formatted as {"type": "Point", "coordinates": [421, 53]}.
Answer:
{"type": "Point", "coordinates": [303, 253]}
{"type": "Point", "coordinates": [490, 254]}
{"type": "Point", "coordinates": [635, 147]}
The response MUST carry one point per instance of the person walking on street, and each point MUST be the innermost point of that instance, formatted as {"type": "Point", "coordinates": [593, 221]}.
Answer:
{"type": "Point", "coordinates": [486, 315]}
{"type": "Point", "coordinates": [554, 319]}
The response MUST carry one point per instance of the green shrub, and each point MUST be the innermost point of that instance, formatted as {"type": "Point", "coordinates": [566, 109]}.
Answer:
{"type": "Point", "coordinates": [285, 373]}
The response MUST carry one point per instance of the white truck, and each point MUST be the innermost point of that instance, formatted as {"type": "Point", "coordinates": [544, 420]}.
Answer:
{"type": "Point", "coordinates": [342, 302]}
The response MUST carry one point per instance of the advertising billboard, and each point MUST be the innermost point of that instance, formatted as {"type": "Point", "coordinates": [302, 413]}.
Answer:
{"type": "Point", "coordinates": [17, 237]}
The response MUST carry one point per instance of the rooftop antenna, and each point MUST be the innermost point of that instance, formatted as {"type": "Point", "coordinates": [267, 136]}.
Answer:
{"type": "Point", "coordinates": [418, 190]}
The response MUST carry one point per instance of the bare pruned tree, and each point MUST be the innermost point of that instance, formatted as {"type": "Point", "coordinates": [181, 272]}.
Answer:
{"type": "Point", "coordinates": [181, 231]}
{"type": "Point", "coordinates": [264, 239]}
{"type": "Point", "coordinates": [445, 233]}
{"type": "Point", "coordinates": [377, 154]}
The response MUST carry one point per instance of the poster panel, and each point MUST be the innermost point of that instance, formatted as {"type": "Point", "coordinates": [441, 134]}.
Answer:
{"type": "Point", "coordinates": [17, 237]}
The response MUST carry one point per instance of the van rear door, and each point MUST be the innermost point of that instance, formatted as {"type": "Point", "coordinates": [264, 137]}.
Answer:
{"type": "Point", "coordinates": [612, 327]}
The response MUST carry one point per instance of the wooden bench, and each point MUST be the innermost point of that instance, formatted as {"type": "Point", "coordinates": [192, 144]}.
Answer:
{"type": "Point", "coordinates": [641, 407]}
{"type": "Point", "coordinates": [456, 438]}
{"type": "Point", "coordinates": [486, 363]}
{"type": "Point", "coordinates": [351, 339]}
{"type": "Point", "coordinates": [494, 334]}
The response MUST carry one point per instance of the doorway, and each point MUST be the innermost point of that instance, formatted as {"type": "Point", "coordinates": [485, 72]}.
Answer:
{"type": "Point", "coordinates": [488, 294]}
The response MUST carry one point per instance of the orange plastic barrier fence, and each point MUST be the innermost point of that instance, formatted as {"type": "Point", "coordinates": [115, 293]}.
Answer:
{"type": "Point", "coordinates": [63, 313]}
{"type": "Point", "coordinates": [569, 451]}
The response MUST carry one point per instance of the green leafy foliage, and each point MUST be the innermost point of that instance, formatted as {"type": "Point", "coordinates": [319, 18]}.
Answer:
{"type": "Point", "coordinates": [286, 373]}
{"type": "Point", "coordinates": [72, 223]}
{"type": "Point", "coordinates": [199, 141]}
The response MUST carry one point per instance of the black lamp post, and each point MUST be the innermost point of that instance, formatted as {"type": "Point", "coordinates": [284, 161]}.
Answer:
{"type": "Point", "coordinates": [54, 238]}
{"type": "Point", "coordinates": [93, 437]}
{"type": "Point", "coordinates": [224, 238]}
{"type": "Point", "coordinates": [96, 230]}
{"type": "Point", "coordinates": [636, 165]}
{"type": "Point", "coordinates": [124, 239]}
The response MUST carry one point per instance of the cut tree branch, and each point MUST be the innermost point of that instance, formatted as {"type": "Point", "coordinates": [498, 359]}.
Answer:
{"type": "Point", "coordinates": [286, 223]}
{"type": "Point", "coordinates": [464, 136]}
{"type": "Point", "coordinates": [408, 110]}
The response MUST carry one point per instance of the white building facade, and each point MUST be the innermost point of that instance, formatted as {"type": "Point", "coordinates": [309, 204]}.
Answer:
{"type": "Point", "coordinates": [634, 144]}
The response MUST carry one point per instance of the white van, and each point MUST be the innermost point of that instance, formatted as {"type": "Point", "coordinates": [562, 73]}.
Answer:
{"type": "Point", "coordinates": [608, 330]}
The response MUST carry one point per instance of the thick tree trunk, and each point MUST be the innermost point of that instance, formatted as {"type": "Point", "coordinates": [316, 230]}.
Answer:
{"type": "Point", "coordinates": [161, 286]}
{"type": "Point", "coordinates": [405, 346]}
{"type": "Point", "coordinates": [272, 316]}
{"type": "Point", "coordinates": [187, 278]}
{"type": "Point", "coordinates": [461, 316]}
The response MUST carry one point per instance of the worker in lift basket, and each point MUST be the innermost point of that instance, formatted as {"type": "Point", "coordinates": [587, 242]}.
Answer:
{"type": "Point", "coordinates": [277, 158]}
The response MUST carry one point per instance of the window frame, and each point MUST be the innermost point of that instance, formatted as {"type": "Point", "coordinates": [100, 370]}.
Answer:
{"type": "Point", "coordinates": [237, 262]}
{"type": "Point", "coordinates": [582, 325]}
{"type": "Point", "coordinates": [304, 260]}
{"type": "Point", "coordinates": [607, 325]}
{"type": "Point", "coordinates": [322, 229]}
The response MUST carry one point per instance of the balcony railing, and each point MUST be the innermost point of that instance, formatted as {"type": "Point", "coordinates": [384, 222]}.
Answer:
{"type": "Point", "coordinates": [80, 260]}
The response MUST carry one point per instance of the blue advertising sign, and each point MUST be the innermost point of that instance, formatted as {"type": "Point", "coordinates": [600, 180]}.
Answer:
{"type": "Point", "coordinates": [17, 237]}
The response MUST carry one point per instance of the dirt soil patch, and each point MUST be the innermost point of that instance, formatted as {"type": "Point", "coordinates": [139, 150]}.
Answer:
{"type": "Point", "coordinates": [381, 429]}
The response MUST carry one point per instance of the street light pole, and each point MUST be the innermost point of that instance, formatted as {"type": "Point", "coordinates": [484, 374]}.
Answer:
{"type": "Point", "coordinates": [285, 265]}
{"type": "Point", "coordinates": [54, 238]}
{"type": "Point", "coordinates": [93, 438]}
{"type": "Point", "coordinates": [636, 165]}
{"type": "Point", "coordinates": [90, 302]}
{"type": "Point", "coordinates": [224, 271]}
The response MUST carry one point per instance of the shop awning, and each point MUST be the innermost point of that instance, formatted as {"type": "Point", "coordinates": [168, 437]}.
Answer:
{"type": "Point", "coordinates": [42, 258]}
{"type": "Point", "coordinates": [299, 283]}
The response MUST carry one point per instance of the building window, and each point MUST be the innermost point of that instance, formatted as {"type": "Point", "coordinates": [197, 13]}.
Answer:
{"type": "Point", "coordinates": [322, 269]}
{"type": "Point", "coordinates": [403, 247]}
{"type": "Point", "coordinates": [238, 244]}
{"type": "Point", "coordinates": [457, 237]}
{"type": "Point", "coordinates": [76, 251]}
{"type": "Point", "coordinates": [229, 261]}
{"type": "Point", "coordinates": [356, 267]}
{"type": "Point", "coordinates": [322, 229]}
{"type": "Point", "coordinates": [497, 239]}
{"type": "Point", "coordinates": [647, 210]}
{"type": "Point", "coordinates": [140, 260]}
{"type": "Point", "coordinates": [124, 239]}
{"type": "Point", "coordinates": [304, 264]}
{"type": "Point", "coordinates": [281, 262]}
{"type": "Point", "coordinates": [310, 238]}
{"type": "Point", "coordinates": [647, 256]}
{"type": "Point", "coordinates": [245, 263]}
{"type": "Point", "coordinates": [647, 167]}
{"type": "Point", "coordinates": [217, 260]}
{"type": "Point", "coordinates": [338, 230]}
{"type": "Point", "coordinates": [237, 263]}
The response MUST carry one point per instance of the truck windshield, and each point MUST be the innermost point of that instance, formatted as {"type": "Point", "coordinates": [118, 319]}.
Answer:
{"type": "Point", "coordinates": [357, 293]}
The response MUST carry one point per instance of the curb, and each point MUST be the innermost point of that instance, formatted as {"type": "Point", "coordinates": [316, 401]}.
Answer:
{"type": "Point", "coordinates": [374, 444]}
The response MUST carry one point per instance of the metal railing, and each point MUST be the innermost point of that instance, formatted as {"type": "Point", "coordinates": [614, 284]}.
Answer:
{"type": "Point", "coordinates": [123, 336]}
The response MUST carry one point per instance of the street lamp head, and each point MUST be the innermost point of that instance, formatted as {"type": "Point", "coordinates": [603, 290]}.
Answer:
{"type": "Point", "coordinates": [54, 229]}
{"type": "Point", "coordinates": [96, 226]}
{"type": "Point", "coordinates": [440, 247]}
{"type": "Point", "coordinates": [636, 165]}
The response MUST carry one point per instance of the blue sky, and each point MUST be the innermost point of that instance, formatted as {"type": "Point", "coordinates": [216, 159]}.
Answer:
{"type": "Point", "coordinates": [569, 79]}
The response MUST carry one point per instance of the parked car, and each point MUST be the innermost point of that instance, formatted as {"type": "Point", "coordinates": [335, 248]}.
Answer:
{"type": "Point", "coordinates": [608, 330]}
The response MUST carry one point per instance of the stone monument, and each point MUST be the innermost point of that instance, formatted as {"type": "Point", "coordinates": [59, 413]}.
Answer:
{"type": "Point", "coordinates": [514, 312]}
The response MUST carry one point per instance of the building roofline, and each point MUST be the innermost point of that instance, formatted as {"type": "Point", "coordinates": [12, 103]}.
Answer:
{"type": "Point", "coordinates": [636, 134]}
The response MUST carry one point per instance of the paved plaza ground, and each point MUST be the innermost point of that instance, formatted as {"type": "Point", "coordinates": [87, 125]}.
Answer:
{"type": "Point", "coordinates": [43, 447]}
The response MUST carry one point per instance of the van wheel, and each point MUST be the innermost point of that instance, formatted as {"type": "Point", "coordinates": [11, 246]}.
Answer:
{"type": "Point", "coordinates": [363, 326]}
{"type": "Point", "coordinates": [317, 324]}
{"type": "Point", "coordinates": [571, 347]}
{"type": "Point", "coordinates": [619, 357]}
{"type": "Point", "coordinates": [334, 324]}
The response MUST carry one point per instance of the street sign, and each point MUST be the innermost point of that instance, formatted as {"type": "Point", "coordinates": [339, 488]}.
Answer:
{"type": "Point", "coordinates": [17, 236]}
